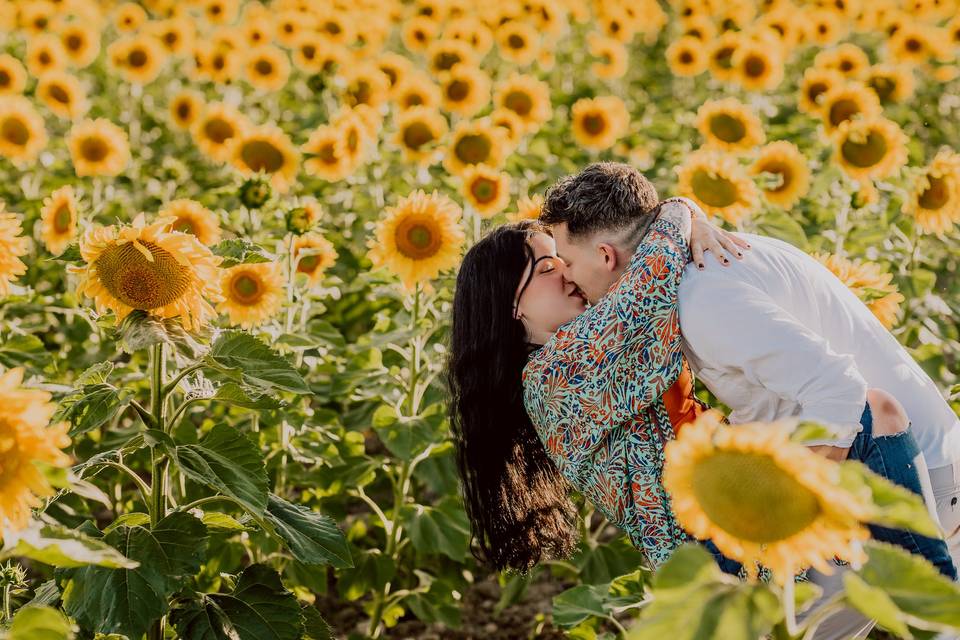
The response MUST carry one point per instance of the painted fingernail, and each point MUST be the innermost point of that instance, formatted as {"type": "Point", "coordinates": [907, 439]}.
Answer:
{"type": "Point", "coordinates": [700, 266]}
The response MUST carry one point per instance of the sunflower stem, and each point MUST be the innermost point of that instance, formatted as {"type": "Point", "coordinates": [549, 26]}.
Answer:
{"type": "Point", "coordinates": [789, 607]}
{"type": "Point", "coordinates": [159, 489]}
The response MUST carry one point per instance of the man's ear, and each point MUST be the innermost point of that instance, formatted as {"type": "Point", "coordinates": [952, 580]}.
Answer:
{"type": "Point", "coordinates": [609, 255]}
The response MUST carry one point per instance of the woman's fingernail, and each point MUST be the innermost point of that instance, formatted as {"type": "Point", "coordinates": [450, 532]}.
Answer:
{"type": "Point", "coordinates": [700, 265]}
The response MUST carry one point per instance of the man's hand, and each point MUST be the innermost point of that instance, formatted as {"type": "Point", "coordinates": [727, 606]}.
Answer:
{"type": "Point", "coordinates": [704, 235]}
{"type": "Point", "coordinates": [829, 451]}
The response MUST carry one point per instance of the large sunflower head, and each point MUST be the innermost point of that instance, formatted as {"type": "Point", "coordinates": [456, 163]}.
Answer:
{"type": "Point", "coordinates": [45, 53]}
{"type": "Point", "coordinates": [443, 54]}
{"type": "Point", "coordinates": [759, 67]}
{"type": "Point", "coordinates": [762, 498]}
{"type": "Point", "coordinates": [148, 267]}
{"type": "Point", "coordinates": [185, 107]}
{"type": "Point", "coordinates": [12, 246]}
{"type": "Point", "coordinates": [719, 56]}
{"type": "Point", "coordinates": [139, 59]}
{"type": "Point", "coordinates": [418, 32]}
{"type": "Point", "coordinates": [418, 131]}
{"type": "Point", "coordinates": [313, 255]}
{"type": "Point", "coordinates": [611, 54]}
{"type": "Point", "coordinates": [869, 282]}
{"type": "Point", "coordinates": [465, 90]}
{"type": "Point", "coordinates": [935, 198]}
{"type": "Point", "coordinates": [63, 94]}
{"type": "Point", "coordinates": [597, 123]}
{"type": "Point", "coordinates": [891, 82]}
{"type": "Point", "coordinates": [518, 41]}
{"type": "Point", "coordinates": [365, 84]}
{"type": "Point", "coordinates": [175, 35]}
{"type": "Point", "coordinates": [189, 216]}
{"type": "Point", "coordinates": [22, 132]}
{"type": "Point", "coordinates": [487, 190]}
{"type": "Point", "coordinates": [13, 76]}
{"type": "Point", "coordinates": [26, 438]}
{"type": "Point", "coordinates": [327, 155]}
{"type": "Point", "coordinates": [267, 67]}
{"type": "Point", "coordinates": [870, 148]}
{"type": "Point", "coordinates": [785, 161]}
{"type": "Point", "coordinates": [718, 184]}
{"type": "Point", "coordinates": [98, 148]}
{"type": "Point", "coordinates": [730, 125]}
{"type": "Point", "coordinates": [266, 149]}
{"type": "Point", "coordinates": [80, 43]}
{"type": "Point", "coordinates": [473, 143]}
{"type": "Point", "coordinates": [252, 293]}
{"type": "Point", "coordinates": [847, 58]}
{"type": "Point", "coordinates": [58, 219]}
{"type": "Point", "coordinates": [844, 101]}
{"type": "Point", "coordinates": [395, 67]}
{"type": "Point", "coordinates": [526, 96]}
{"type": "Point", "coordinates": [418, 238]}
{"type": "Point", "coordinates": [816, 83]}
{"type": "Point", "coordinates": [216, 128]}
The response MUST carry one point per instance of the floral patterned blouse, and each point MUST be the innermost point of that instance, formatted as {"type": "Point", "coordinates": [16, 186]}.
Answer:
{"type": "Point", "coordinates": [594, 390]}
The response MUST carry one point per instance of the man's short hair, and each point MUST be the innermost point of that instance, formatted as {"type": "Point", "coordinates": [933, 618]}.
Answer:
{"type": "Point", "coordinates": [604, 196]}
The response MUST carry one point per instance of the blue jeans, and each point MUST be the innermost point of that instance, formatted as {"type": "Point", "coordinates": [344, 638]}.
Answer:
{"type": "Point", "coordinates": [891, 457]}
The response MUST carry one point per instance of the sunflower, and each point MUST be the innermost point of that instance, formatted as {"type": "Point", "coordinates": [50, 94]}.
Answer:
{"type": "Point", "coordinates": [814, 85]}
{"type": "Point", "coordinates": [788, 25]}
{"type": "Point", "coordinates": [526, 96]}
{"type": "Point", "coordinates": [916, 43]}
{"type": "Point", "coordinates": [472, 31]}
{"type": "Point", "coordinates": [129, 17]}
{"type": "Point", "coordinates": [417, 90]}
{"type": "Point", "coordinates": [443, 54]}
{"type": "Point", "coordinates": [612, 54]}
{"type": "Point", "coordinates": [784, 160]}
{"type": "Point", "coordinates": [336, 27]}
{"type": "Point", "coordinates": [58, 220]}
{"type": "Point", "coordinates": [217, 63]}
{"type": "Point", "coordinates": [139, 59]}
{"type": "Point", "coordinates": [418, 32]}
{"type": "Point", "coordinates": [418, 131]}
{"type": "Point", "coordinates": [395, 67]}
{"type": "Point", "coordinates": [266, 149]}
{"type": "Point", "coordinates": [935, 198]}
{"type": "Point", "coordinates": [258, 30]}
{"type": "Point", "coordinates": [418, 238]}
{"type": "Point", "coordinates": [518, 42]}
{"type": "Point", "coordinates": [45, 53]}
{"type": "Point", "coordinates": [510, 122]}
{"type": "Point", "coordinates": [22, 132]}
{"type": "Point", "coordinates": [528, 208]}
{"type": "Point", "coordinates": [486, 189]}
{"type": "Point", "coordinates": [314, 55]}
{"type": "Point", "coordinates": [13, 76]}
{"type": "Point", "coordinates": [686, 57]}
{"type": "Point", "coordinates": [252, 293]}
{"type": "Point", "coordinates": [729, 125]}
{"type": "Point", "coordinates": [597, 123]}
{"type": "Point", "coordinates": [758, 66]}
{"type": "Point", "coordinates": [473, 143]}
{"type": "Point", "coordinates": [356, 134]}
{"type": "Point", "coordinates": [12, 246]}
{"type": "Point", "coordinates": [175, 35]}
{"type": "Point", "coordinates": [465, 90]}
{"type": "Point", "coordinates": [185, 107]}
{"type": "Point", "coordinates": [847, 58]}
{"type": "Point", "coordinates": [219, 11]}
{"type": "Point", "coordinates": [189, 216]}
{"type": "Point", "coordinates": [267, 68]}
{"type": "Point", "coordinates": [762, 498]}
{"type": "Point", "coordinates": [700, 27]}
{"type": "Point", "coordinates": [869, 282]}
{"type": "Point", "coordinates": [63, 94]}
{"type": "Point", "coordinates": [26, 438]}
{"type": "Point", "coordinates": [844, 101]}
{"type": "Point", "coordinates": [824, 26]}
{"type": "Point", "coordinates": [166, 273]}
{"type": "Point", "coordinates": [718, 184]}
{"type": "Point", "coordinates": [328, 158]}
{"type": "Point", "coordinates": [35, 17]}
{"type": "Point", "coordinates": [214, 130]}
{"type": "Point", "coordinates": [870, 148]}
{"type": "Point", "coordinates": [98, 148]}
{"type": "Point", "coordinates": [365, 84]}
{"type": "Point", "coordinates": [81, 44]}
{"type": "Point", "coordinates": [313, 255]}
{"type": "Point", "coordinates": [891, 82]}
{"type": "Point", "coordinates": [719, 55]}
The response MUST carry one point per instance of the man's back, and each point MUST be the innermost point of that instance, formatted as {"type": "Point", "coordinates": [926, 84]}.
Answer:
{"type": "Point", "coordinates": [738, 324]}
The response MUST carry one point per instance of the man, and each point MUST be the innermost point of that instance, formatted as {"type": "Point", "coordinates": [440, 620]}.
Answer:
{"type": "Point", "coordinates": [773, 335]}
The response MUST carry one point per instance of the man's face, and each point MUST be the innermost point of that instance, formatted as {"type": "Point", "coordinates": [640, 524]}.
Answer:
{"type": "Point", "coordinates": [587, 265]}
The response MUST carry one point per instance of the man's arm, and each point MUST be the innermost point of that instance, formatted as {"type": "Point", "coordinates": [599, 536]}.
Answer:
{"type": "Point", "coordinates": [732, 324]}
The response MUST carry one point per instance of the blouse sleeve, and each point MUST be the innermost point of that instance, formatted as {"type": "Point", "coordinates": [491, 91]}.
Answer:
{"type": "Point", "coordinates": [609, 364]}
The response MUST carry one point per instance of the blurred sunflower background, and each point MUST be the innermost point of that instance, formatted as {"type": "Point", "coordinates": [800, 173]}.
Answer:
{"type": "Point", "coordinates": [311, 172]}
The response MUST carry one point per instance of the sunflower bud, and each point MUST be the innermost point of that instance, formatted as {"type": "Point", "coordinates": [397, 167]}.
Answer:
{"type": "Point", "coordinates": [299, 220]}
{"type": "Point", "coordinates": [255, 193]}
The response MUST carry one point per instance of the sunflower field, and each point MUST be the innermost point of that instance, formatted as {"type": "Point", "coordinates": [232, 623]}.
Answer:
{"type": "Point", "coordinates": [229, 232]}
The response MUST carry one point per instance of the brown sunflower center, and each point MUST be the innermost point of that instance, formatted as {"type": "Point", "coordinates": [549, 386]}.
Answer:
{"type": "Point", "coordinates": [263, 67]}
{"type": "Point", "coordinates": [458, 90]}
{"type": "Point", "coordinates": [686, 57]}
{"type": "Point", "coordinates": [417, 238]}
{"type": "Point", "coordinates": [73, 42]}
{"type": "Point", "coordinates": [245, 288]}
{"type": "Point", "coordinates": [843, 109]}
{"type": "Point", "coordinates": [417, 134]}
{"type": "Point", "coordinates": [484, 190]}
{"type": "Point", "coordinates": [94, 149]}
{"type": "Point", "coordinates": [137, 58]}
{"type": "Point", "coordinates": [62, 218]}
{"type": "Point", "coordinates": [754, 66]}
{"type": "Point", "coordinates": [519, 102]}
{"type": "Point", "coordinates": [218, 130]}
{"type": "Point", "coordinates": [361, 92]}
{"type": "Point", "coordinates": [59, 94]}
{"type": "Point", "coordinates": [723, 57]}
{"type": "Point", "coordinates": [445, 60]}
{"type": "Point", "coordinates": [184, 224]}
{"type": "Point", "coordinates": [5, 79]}
{"type": "Point", "coordinates": [261, 155]}
{"type": "Point", "coordinates": [867, 153]}
{"type": "Point", "coordinates": [883, 86]}
{"type": "Point", "coordinates": [727, 127]}
{"type": "Point", "coordinates": [815, 90]}
{"type": "Point", "coordinates": [715, 191]}
{"type": "Point", "coordinates": [184, 110]}
{"type": "Point", "coordinates": [15, 131]}
{"type": "Point", "coordinates": [473, 148]}
{"type": "Point", "coordinates": [936, 196]}
{"type": "Point", "coordinates": [750, 497]}
{"type": "Point", "coordinates": [516, 41]}
{"type": "Point", "coordinates": [594, 123]}
{"type": "Point", "coordinates": [308, 264]}
{"type": "Point", "coordinates": [784, 170]}
{"type": "Point", "coordinates": [139, 283]}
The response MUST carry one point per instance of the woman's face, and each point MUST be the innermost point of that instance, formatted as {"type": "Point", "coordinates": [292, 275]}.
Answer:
{"type": "Point", "coordinates": [548, 300]}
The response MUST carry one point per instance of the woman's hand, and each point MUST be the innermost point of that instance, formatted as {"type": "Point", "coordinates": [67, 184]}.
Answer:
{"type": "Point", "coordinates": [705, 236]}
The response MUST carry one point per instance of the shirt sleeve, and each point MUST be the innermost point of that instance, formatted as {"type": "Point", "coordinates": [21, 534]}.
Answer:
{"type": "Point", "coordinates": [605, 367]}
{"type": "Point", "coordinates": [733, 325]}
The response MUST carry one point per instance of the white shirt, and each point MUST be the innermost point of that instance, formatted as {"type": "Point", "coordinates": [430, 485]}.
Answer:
{"type": "Point", "coordinates": [778, 335]}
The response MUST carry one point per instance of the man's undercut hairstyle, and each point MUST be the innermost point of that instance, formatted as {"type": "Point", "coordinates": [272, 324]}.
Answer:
{"type": "Point", "coordinates": [605, 196]}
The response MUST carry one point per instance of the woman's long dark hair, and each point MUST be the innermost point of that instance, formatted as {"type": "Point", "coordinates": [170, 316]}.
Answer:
{"type": "Point", "coordinates": [518, 503]}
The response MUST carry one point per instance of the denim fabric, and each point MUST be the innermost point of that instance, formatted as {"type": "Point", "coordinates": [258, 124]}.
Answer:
{"type": "Point", "coordinates": [891, 457]}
